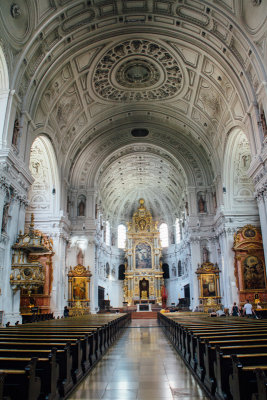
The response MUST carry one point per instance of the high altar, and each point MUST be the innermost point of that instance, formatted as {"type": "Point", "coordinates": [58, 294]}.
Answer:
{"type": "Point", "coordinates": [143, 271]}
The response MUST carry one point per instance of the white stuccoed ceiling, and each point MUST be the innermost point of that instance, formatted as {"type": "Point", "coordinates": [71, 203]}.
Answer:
{"type": "Point", "coordinates": [88, 72]}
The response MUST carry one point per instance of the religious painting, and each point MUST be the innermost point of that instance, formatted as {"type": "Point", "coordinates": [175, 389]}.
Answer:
{"type": "Point", "coordinates": [253, 273]}
{"type": "Point", "coordinates": [79, 288]}
{"type": "Point", "coordinates": [250, 264]}
{"type": "Point", "coordinates": [208, 285]}
{"type": "Point", "coordinates": [143, 257]}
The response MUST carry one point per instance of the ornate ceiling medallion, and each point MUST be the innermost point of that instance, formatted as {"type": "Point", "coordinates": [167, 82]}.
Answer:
{"type": "Point", "coordinates": [137, 70]}
{"type": "Point", "coordinates": [137, 73]}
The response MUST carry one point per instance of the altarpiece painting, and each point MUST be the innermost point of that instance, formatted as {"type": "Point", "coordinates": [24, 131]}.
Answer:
{"type": "Point", "coordinates": [79, 290]}
{"type": "Point", "coordinates": [250, 270]}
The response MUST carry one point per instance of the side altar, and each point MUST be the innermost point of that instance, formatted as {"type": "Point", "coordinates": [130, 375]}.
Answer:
{"type": "Point", "coordinates": [143, 271]}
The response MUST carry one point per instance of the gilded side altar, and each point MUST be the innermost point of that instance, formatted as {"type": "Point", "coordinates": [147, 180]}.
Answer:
{"type": "Point", "coordinates": [143, 272]}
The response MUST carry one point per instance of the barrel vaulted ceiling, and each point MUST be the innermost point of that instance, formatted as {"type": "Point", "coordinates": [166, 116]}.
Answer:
{"type": "Point", "coordinates": [181, 73]}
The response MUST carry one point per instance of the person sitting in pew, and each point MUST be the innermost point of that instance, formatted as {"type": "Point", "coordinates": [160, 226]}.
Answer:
{"type": "Point", "coordinates": [220, 313]}
{"type": "Point", "coordinates": [213, 313]}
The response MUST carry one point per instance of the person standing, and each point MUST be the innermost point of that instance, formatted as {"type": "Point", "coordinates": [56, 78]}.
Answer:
{"type": "Point", "coordinates": [248, 310]}
{"type": "Point", "coordinates": [66, 312]}
{"type": "Point", "coordinates": [235, 311]}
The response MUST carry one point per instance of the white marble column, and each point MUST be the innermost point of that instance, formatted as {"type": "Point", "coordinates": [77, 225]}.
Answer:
{"type": "Point", "coordinates": [195, 261]}
{"type": "Point", "coordinates": [262, 206]}
{"type": "Point", "coordinates": [227, 276]}
{"type": "Point", "coordinates": [2, 201]}
{"type": "Point", "coordinates": [58, 300]}
{"type": "Point", "coordinates": [8, 101]}
{"type": "Point", "coordinates": [93, 254]}
{"type": "Point", "coordinates": [11, 299]}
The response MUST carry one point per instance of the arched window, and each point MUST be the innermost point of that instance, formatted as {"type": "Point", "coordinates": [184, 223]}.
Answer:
{"type": "Point", "coordinates": [121, 236]}
{"type": "Point", "coordinates": [178, 230]}
{"type": "Point", "coordinates": [107, 238]}
{"type": "Point", "coordinates": [163, 234]}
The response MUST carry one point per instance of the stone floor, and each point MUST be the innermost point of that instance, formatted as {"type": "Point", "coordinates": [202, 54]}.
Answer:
{"type": "Point", "coordinates": [141, 365]}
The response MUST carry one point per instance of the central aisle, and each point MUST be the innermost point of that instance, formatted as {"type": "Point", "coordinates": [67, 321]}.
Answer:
{"type": "Point", "coordinates": [141, 365]}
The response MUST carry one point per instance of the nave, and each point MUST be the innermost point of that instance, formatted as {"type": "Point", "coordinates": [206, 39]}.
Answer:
{"type": "Point", "coordinates": [141, 365]}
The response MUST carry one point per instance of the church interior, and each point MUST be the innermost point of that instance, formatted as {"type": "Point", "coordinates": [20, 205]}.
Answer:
{"type": "Point", "coordinates": [133, 158]}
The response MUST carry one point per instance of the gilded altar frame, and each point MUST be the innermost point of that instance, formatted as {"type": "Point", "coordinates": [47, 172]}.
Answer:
{"type": "Point", "coordinates": [209, 286]}
{"type": "Point", "coordinates": [250, 271]}
{"type": "Point", "coordinates": [143, 254]}
{"type": "Point", "coordinates": [79, 290]}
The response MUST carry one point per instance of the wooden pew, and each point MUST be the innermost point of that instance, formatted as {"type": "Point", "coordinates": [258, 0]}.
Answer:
{"type": "Point", "coordinates": [18, 384]}
{"type": "Point", "coordinates": [196, 341]}
{"type": "Point", "coordinates": [58, 336]}
{"type": "Point", "coordinates": [261, 377]}
{"type": "Point", "coordinates": [76, 349]}
{"type": "Point", "coordinates": [242, 381]}
{"type": "Point", "coordinates": [97, 342]}
{"type": "Point", "coordinates": [235, 339]}
{"type": "Point", "coordinates": [223, 364]}
{"type": "Point", "coordinates": [46, 369]}
{"type": "Point", "coordinates": [64, 359]}
{"type": "Point", "coordinates": [78, 344]}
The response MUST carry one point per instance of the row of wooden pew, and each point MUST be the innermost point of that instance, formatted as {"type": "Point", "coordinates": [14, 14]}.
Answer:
{"type": "Point", "coordinates": [228, 356]}
{"type": "Point", "coordinates": [46, 360]}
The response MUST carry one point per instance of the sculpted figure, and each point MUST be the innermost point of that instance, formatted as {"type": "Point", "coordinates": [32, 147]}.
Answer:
{"type": "Point", "coordinates": [201, 204]}
{"type": "Point", "coordinates": [5, 217]}
{"type": "Point", "coordinates": [16, 131]}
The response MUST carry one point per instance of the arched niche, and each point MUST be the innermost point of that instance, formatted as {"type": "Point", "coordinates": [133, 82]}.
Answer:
{"type": "Point", "coordinates": [44, 193]}
{"type": "Point", "coordinates": [4, 91]}
{"type": "Point", "coordinates": [238, 187]}
{"type": "Point", "coordinates": [81, 205]}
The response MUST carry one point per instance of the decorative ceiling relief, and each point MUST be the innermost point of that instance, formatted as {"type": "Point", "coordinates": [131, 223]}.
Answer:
{"type": "Point", "coordinates": [78, 19]}
{"type": "Point", "coordinates": [194, 15]}
{"type": "Point", "coordinates": [188, 55]}
{"type": "Point", "coordinates": [243, 186]}
{"type": "Point", "coordinates": [83, 61]}
{"type": "Point", "coordinates": [140, 170]}
{"type": "Point", "coordinates": [137, 70]}
{"type": "Point", "coordinates": [218, 77]}
{"type": "Point", "coordinates": [254, 15]}
{"type": "Point", "coordinates": [56, 85]}
{"type": "Point", "coordinates": [17, 20]}
{"type": "Point", "coordinates": [67, 107]}
{"type": "Point", "coordinates": [39, 191]}
{"type": "Point", "coordinates": [210, 101]}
